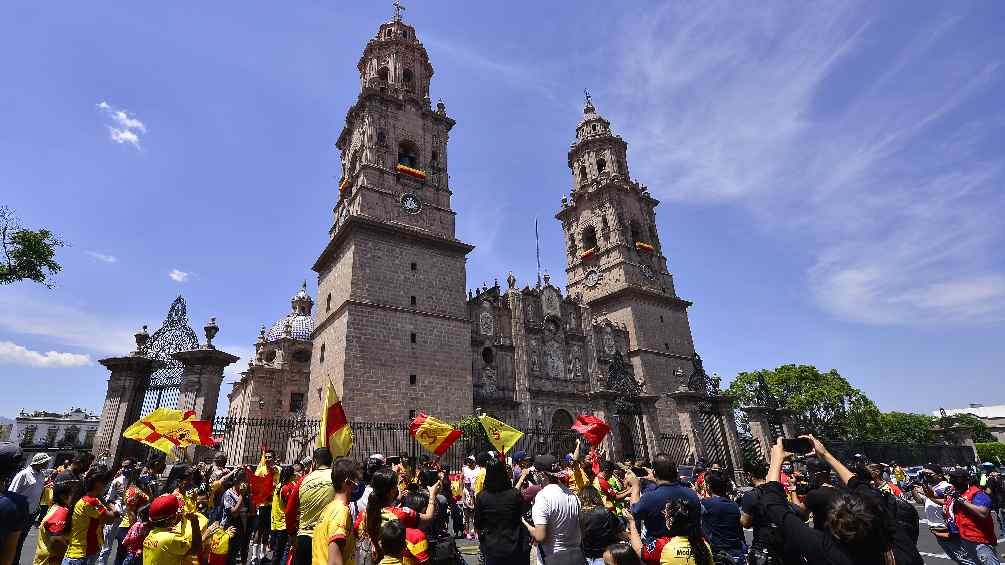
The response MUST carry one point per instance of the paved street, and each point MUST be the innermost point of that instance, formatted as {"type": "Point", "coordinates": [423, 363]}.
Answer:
{"type": "Point", "coordinates": [926, 544]}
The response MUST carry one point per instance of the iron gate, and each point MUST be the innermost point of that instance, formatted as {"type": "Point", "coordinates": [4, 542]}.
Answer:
{"type": "Point", "coordinates": [173, 336]}
{"type": "Point", "coordinates": [713, 435]}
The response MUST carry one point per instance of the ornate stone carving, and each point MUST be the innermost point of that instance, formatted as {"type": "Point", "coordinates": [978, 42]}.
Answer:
{"type": "Point", "coordinates": [489, 383]}
{"type": "Point", "coordinates": [576, 363]}
{"type": "Point", "coordinates": [554, 360]}
{"type": "Point", "coordinates": [486, 323]}
{"type": "Point", "coordinates": [608, 340]}
{"type": "Point", "coordinates": [535, 356]}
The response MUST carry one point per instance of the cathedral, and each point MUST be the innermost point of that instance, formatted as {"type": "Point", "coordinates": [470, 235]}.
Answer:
{"type": "Point", "coordinates": [395, 331]}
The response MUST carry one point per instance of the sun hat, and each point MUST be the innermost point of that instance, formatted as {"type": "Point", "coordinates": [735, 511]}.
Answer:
{"type": "Point", "coordinates": [41, 459]}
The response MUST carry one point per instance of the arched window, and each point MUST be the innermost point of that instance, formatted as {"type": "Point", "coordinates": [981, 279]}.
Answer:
{"type": "Point", "coordinates": [407, 154]}
{"type": "Point", "coordinates": [381, 137]}
{"type": "Point", "coordinates": [589, 238]}
{"type": "Point", "coordinates": [594, 127]}
{"type": "Point", "coordinates": [488, 356]}
{"type": "Point", "coordinates": [434, 157]}
{"type": "Point", "coordinates": [561, 421]}
{"type": "Point", "coordinates": [328, 305]}
{"type": "Point", "coordinates": [634, 229]}
{"type": "Point", "coordinates": [582, 173]}
{"type": "Point", "coordinates": [321, 357]}
{"type": "Point", "coordinates": [601, 165]}
{"type": "Point", "coordinates": [605, 228]}
{"type": "Point", "coordinates": [406, 77]}
{"type": "Point", "coordinates": [383, 73]}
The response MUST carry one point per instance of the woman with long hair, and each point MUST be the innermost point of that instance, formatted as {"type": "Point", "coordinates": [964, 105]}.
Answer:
{"type": "Point", "coordinates": [598, 525]}
{"type": "Point", "coordinates": [621, 554]}
{"type": "Point", "coordinates": [684, 542]}
{"type": "Point", "coordinates": [502, 538]}
{"type": "Point", "coordinates": [381, 507]}
{"type": "Point", "coordinates": [87, 517]}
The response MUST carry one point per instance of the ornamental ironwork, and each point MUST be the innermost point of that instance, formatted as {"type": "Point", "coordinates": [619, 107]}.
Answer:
{"type": "Point", "coordinates": [621, 382]}
{"type": "Point", "coordinates": [699, 381]}
{"type": "Point", "coordinates": [174, 335]}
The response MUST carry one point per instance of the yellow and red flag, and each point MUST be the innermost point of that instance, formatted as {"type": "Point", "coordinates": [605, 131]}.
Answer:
{"type": "Point", "coordinates": [435, 435]}
{"type": "Point", "coordinates": [501, 436]}
{"type": "Point", "coordinates": [166, 428]}
{"type": "Point", "coordinates": [335, 432]}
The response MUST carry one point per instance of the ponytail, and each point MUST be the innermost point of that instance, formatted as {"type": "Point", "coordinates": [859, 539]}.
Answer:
{"type": "Point", "coordinates": [383, 482]}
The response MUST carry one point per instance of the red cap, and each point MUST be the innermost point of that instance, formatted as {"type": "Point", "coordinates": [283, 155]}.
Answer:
{"type": "Point", "coordinates": [164, 506]}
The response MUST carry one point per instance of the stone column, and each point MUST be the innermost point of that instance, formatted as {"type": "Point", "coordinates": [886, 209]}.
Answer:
{"type": "Point", "coordinates": [686, 403]}
{"type": "Point", "coordinates": [127, 385]}
{"type": "Point", "coordinates": [724, 407]}
{"type": "Point", "coordinates": [759, 419]}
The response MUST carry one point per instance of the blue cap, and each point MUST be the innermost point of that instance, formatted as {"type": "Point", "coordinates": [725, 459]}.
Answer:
{"type": "Point", "coordinates": [519, 455]}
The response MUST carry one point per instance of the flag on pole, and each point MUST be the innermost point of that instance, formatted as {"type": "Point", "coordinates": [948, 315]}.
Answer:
{"type": "Point", "coordinates": [435, 435]}
{"type": "Point", "coordinates": [166, 428]}
{"type": "Point", "coordinates": [334, 433]}
{"type": "Point", "coordinates": [501, 436]}
{"type": "Point", "coordinates": [592, 428]}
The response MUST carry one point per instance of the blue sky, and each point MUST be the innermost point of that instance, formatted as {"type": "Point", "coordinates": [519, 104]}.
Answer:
{"type": "Point", "coordinates": [830, 173]}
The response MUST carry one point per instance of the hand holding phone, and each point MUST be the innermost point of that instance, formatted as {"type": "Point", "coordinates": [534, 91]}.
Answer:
{"type": "Point", "coordinates": [799, 445]}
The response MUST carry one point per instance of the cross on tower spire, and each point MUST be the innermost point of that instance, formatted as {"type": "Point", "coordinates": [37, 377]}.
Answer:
{"type": "Point", "coordinates": [397, 10]}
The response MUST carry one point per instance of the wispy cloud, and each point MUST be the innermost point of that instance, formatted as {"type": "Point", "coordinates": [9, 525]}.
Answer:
{"type": "Point", "coordinates": [178, 276]}
{"type": "Point", "coordinates": [867, 151]}
{"type": "Point", "coordinates": [65, 325]}
{"type": "Point", "coordinates": [513, 73]}
{"type": "Point", "coordinates": [125, 127]}
{"type": "Point", "coordinates": [14, 354]}
{"type": "Point", "coordinates": [102, 257]}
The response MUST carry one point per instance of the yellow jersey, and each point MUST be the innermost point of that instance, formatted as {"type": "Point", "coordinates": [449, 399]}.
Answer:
{"type": "Point", "coordinates": [52, 524]}
{"type": "Point", "coordinates": [335, 524]}
{"type": "Point", "coordinates": [86, 535]}
{"type": "Point", "coordinates": [167, 546]}
{"type": "Point", "coordinates": [315, 493]}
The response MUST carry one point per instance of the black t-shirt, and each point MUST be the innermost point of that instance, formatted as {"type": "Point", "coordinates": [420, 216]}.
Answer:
{"type": "Point", "coordinates": [436, 530]}
{"type": "Point", "coordinates": [497, 518]}
{"type": "Point", "coordinates": [751, 506]}
{"type": "Point", "coordinates": [817, 501]}
{"type": "Point", "coordinates": [599, 528]}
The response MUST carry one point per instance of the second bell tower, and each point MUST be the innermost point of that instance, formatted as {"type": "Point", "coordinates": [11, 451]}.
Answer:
{"type": "Point", "coordinates": [615, 261]}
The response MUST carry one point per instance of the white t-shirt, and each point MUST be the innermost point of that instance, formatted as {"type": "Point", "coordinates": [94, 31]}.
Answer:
{"type": "Point", "coordinates": [28, 483]}
{"type": "Point", "coordinates": [933, 510]}
{"type": "Point", "coordinates": [556, 507]}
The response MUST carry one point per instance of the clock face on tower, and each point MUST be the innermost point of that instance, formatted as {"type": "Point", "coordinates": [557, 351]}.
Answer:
{"type": "Point", "coordinates": [592, 278]}
{"type": "Point", "coordinates": [410, 203]}
{"type": "Point", "coordinates": [647, 272]}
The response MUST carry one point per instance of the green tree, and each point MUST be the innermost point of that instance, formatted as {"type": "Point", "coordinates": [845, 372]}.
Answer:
{"type": "Point", "coordinates": [824, 404]}
{"type": "Point", "coordinates": [906, 427]}
{"type": "Point", "coordinates": [27, 254]}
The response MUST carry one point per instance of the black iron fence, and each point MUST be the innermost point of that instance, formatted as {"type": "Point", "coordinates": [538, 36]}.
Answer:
{"type": "Point", "coordinates": [678, 447]}
{"type": "Point", "coordinates": [752, 450]}
{"type": "Point", "coordinates": [293, 439]}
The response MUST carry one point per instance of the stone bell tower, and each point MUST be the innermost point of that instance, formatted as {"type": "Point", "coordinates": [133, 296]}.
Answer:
{"type": "Point", "coordinates": [615, 261]}
{"type": "Point", "coordinates": [391, 326]}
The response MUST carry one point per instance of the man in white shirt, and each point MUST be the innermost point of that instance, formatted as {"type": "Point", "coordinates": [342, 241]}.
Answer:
{"type": "Point", "coordinates": [29, 482]}
{"type": "Point", "coordinates": [556, 516]}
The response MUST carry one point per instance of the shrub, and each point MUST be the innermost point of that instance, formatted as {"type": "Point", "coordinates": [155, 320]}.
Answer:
{"type": "Point", "coordinates": [991, 451]}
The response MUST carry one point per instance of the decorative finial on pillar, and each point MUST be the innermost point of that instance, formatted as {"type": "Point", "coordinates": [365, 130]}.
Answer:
{"type": "Point", "coordinates": [261, 334]}
{"type": "Point", "coordinates": [141, 337]}
{"type": "Point", "coordinates": [511, 280]}
{"type": "Point", "coordinates": [398, 8]}
{"type": "Point", "coordinates": [547, 279]}
{"type": "Point", "coordinates": [441, 108]}
{"type": "Point", "coordinates": [211, 330]}
{"type": "Point", "coordinates": [588, 108]}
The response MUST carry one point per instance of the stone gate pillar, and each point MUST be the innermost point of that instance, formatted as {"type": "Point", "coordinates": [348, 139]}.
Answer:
{"type": "Point", "coordinates": [759, 419]}
{"type": "Point", "coordinates": [686, 403]}
{"type": "Point", "coordinates": [202, 377]}
{"type": "Point", "coordinates": [127, 385]}
{"type": "Point", "coordinates": [725, 408]}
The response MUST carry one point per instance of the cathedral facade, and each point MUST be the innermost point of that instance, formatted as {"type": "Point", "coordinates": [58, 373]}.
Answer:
{"type": "Point", "coordinates": [395, 331]}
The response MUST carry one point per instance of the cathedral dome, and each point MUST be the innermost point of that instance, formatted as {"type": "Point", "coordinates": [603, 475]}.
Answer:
{"type": "Point", "coordinates": [298, 324]}
{"type": "Point", "coordinates": [300, 328]}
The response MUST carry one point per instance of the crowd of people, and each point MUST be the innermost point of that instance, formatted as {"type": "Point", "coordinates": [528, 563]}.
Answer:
{"type": "Point", "coordinates": [801, 507]}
